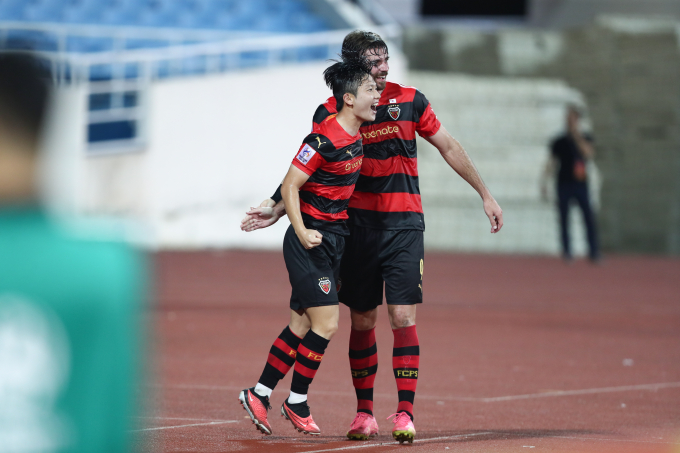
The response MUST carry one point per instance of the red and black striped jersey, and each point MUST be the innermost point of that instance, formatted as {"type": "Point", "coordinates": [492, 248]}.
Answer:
{"type": "Point", "coordinates": [333, 159]}
{"type": "Point", "coordinates": [387, 195]}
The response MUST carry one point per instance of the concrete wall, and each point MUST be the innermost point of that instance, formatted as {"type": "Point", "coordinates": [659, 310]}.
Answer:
{"type": "Point", "coordinates": [627, 69]}
{"type": "Point", "coordinates": [505, 125]}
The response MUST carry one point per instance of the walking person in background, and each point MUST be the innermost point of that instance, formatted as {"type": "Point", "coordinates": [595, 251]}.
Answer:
{"type": "Point", "coordinates": [569, 155]}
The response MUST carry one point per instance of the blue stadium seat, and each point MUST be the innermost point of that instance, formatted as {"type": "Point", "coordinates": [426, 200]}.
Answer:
{"type": "Point", "coordinates": [84, 44]}
{"type": "Point", "coordinates": [119, 16]}
{"type": "Point", "coordinates": [82, 14]}
{"type": "Point", "coordinates": [304, 22]}
{"type": "Point", "coordinates": [134, 43]}
{"type": "Point", "coordinates": [101, 72]}
{"type": "Point", "coordinates": [271, 23]}
{"type": "Point", "coordinates": [258, 16]}
{"type": "Point", "coordinates": [11, 10]}
{"type": "Point", "coordinates": [31, 40]}
{"type": "Point", "coordinates": [43, 12]}
{"type": "Point", "coordinates": [151, 18]}
{"type": "Point", "coordinates": [206, 19]}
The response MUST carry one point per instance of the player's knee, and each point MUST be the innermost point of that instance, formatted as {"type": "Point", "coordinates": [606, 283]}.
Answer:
{"type": "Point", "coordinates": [326, 329]}
{"type": "Point", "coordinates": [299, 330]}
{"type": "Point", "coordinates": [364, 320]}
{"type": "Point", "coordinates": [400, 319]}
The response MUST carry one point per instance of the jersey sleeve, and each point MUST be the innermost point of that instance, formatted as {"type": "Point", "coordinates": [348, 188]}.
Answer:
{"type": "Point", "coordinates": [309, 157]}
{"type": "Point", "coordinates": [427, 123]}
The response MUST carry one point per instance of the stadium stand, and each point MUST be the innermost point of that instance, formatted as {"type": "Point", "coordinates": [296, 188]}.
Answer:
{"type": "Point", "coordinates": [108, 42]}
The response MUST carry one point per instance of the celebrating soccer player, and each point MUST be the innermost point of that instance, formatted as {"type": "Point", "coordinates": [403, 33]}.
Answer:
{"type": "Point", "coordinates": [386, 225]}
{"type": "Point", "coordinates": [316, 191]}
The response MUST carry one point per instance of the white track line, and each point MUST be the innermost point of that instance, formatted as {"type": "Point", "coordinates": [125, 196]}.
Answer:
{"type": "Point", "coordinates": [185, 426]}
{"type": "Point", "coordinates": [556, 393]}
{"type": "Point", "coordinates": [462, 436]}
{"type": "Point", "coordinates": [382, 444]}
{"type": "Point", "coordinates": [611, 440]}
{"type": "Point", "coordinates": [179, 418]}
{"type": "Point", "coordinates": [623, 388]}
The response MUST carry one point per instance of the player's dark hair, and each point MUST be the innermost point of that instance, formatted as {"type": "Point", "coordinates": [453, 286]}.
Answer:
{"type": "Point", "coordinates": [346, 76]}
{"type": "Point", "coordinates": [358, 42]}
{"type": "Point", "coordinates": [24, 93]}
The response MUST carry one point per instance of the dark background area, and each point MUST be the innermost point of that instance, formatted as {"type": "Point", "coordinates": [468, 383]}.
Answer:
{"type": "Point", "coordinates": [487, 8]}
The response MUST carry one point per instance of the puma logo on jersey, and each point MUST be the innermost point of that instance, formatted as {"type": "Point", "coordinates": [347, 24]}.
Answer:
{"type": "Point", "coordinates": [349, 152]}
{"type": "Point", "coordinates": [320, 142]}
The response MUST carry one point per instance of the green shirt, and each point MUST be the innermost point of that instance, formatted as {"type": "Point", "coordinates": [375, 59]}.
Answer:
{"type": "Point", "coordinates": [70, 337]}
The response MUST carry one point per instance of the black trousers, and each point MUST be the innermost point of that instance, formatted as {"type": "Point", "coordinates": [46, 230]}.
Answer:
{"type": "Point", "coordinates": [579, 192]}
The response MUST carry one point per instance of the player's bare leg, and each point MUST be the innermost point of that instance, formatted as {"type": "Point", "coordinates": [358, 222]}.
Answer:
{"type": "Point", "coordinates": [405, 361]}
{"type": "Point", "coordinates": [299, 323]}
{"type": "Point", "coordinates": [402, 315]}
{"type": "Point", "coordinates": [363, 320]}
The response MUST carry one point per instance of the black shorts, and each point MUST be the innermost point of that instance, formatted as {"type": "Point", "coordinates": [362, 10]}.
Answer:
{"type": "Point", "coordinates": [372, 257]}
{"type": "Point", "coordinates": [313, 273]}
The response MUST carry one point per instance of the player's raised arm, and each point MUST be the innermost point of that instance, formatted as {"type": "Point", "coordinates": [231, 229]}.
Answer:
{"type": "Point", "coordinates": [290, 190]}
{"type": "Point", "coordinates": [455, 155]}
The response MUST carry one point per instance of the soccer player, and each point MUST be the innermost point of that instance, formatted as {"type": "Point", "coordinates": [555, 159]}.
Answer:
{"type": "Point", "coordinates": [386, 232]}
{"type": "Point", "coordinates": [316, 191]}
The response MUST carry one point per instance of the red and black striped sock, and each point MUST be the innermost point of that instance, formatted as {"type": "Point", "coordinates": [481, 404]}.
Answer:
{"type": "Point", "coordinates": [405, 362]}
{"type": "Point", "coordinates": [363, 360]}
{"type": "Point", "coordinates": [281, 358]}
{"type": "Point", "coordinates": [309, 356]}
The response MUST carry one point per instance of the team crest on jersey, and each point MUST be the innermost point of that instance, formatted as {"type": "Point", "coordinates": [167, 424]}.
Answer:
{"type": "Point", "coordinates": [305, 154]}
{"type": "Point", "coordinates": [325, 285]}
{"type": "Point", "coordinates": [394, 111]}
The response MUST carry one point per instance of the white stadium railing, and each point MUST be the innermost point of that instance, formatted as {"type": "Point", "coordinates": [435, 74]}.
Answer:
{"type": "Point", "coordinates": [116, 80]}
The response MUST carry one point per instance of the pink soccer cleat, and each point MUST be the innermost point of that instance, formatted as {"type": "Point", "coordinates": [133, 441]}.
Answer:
{"type": "Point", "coordinates": [302, 424]}
{"type": "Point", "coordinates": [363, 427]}
{"type": "Point", "coordinates": [257, 407]}
{"type": "Point", "coordinates": [403, 427]}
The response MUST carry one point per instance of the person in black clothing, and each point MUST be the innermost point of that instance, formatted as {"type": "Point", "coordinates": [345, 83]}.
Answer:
{"type": "Point", "coordinates": [569, 153]}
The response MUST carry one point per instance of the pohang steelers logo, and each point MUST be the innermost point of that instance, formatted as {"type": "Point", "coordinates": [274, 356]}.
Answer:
{"type": "Point", "coordinates": [394, 111]}
{"type": "Point", "coordinates": [325, 285]}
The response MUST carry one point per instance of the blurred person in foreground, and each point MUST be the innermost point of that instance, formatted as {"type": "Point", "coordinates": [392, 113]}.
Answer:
{"type": "Point", "coordinates": [386, 221]}
{"type": "Point", "coordinates": [569, 156]}
{"type": "Point", "coordinates": [70, 323]}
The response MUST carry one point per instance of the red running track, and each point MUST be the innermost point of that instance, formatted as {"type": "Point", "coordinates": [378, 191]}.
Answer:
{"type": "Point", "coordinates": [518, 354]}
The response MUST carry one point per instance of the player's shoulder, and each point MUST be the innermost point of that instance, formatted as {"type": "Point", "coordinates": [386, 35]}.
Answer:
{"type": "Point", "coordinates": [398, 93]}
{"type": "Point", "coordinates": [324, 110]}
{"type": "Point", "coordinates": [321, 137]}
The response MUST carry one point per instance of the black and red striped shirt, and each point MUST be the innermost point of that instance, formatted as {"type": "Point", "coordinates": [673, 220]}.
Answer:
{"type": "Point", "coordinates": [387, 195]}
{"type": "Point", "coordinates": [333, 159]}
